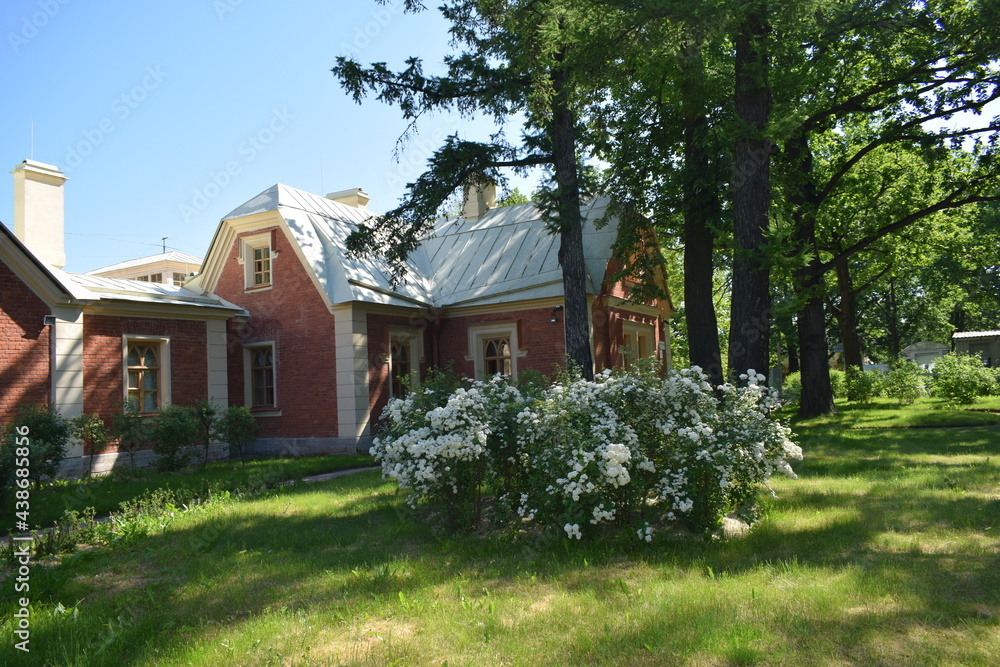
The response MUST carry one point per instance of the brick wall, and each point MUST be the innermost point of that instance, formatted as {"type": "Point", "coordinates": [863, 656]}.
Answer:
{"type": "Point", "coordinates": [379, 327]}
{"type": "Point", "coordinates": [545, 341]}
{"type": "Point", "coordinates": [103, 392]}
{"type": "Point", "coordinates": [293, 315]}
{"type": "Point", "coordinates": [24, 346]}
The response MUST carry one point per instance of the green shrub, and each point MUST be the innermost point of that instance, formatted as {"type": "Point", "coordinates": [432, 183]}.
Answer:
{"type": "Point", "coordinates": [237, 426]}
{"type": "Point", "coordinates": [862, 386]}
{"type": "Point", "coordinates": [791, 387]}
{"type": "Point", "coordinates": [838, 383]}
{"type": "Point", "coordinates": [206, 412]}
{"type": "Point", "coordinates": [93, 433]}
{"type": "Point", "coordinates": [130, 430]}
{"type": "Point", "coordinates": [905, 381]}
{"type": "Point", "coordinates": [43, 433]}
{"type": "Point", "coordinates": [962, 378]}
{"type": "Point", "coordinates": [173, 430]}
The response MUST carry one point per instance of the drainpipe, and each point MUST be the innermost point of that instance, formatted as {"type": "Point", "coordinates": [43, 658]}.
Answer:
{"type": "Point", "coordinates": [436, 337]}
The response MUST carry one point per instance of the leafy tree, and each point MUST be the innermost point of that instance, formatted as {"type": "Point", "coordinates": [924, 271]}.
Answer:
{"type": "Point", "coordinates": [536, 58]}
{"type": "Point", "coordinates": [663, 127]}
{"type": "Point", "coordinates": [173, 429]}
{"type": "Point", "coordinates": [237, 426]}
{"type": "Point", "coordinates": [513, 197]}
{"type": "Point", "coordinates": [904, 69]}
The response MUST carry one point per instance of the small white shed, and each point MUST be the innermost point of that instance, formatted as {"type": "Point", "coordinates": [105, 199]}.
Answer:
{"type": "Point", "coordinates": [984, 343]}
{"type": "Point", "coordinates": [925, 353]}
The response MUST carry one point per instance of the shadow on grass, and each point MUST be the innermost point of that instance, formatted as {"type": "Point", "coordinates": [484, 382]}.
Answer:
{"type": "Point", "coordinates": [188, 583]}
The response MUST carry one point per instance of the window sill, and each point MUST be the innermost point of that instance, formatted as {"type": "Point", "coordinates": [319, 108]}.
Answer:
{"type": "Point", "coordinates": [258, 288]}
{"type": "Point", "coordinates": [266, 411]}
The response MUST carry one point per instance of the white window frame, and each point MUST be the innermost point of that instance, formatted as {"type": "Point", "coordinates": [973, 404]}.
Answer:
{"type": "Point", "coordinates": [413, 339]}
{"type": "Point", "coordinates": [163, 384]}
{"type": "Point", "coordinates": [632, 332]}
{"type": "Point", "coordinates": [478, 334]}
{"type": "Point", "coordinates": [248, 244]}
{"type": "Point", "coordinates": [248, 351]}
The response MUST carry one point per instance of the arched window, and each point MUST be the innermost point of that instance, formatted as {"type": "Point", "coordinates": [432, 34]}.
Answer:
{"type": "Point", "coordinates": [144, 376]}
{"type": "Point", "coordinates": [399, 367]}
{"type": "Point", "coordinates": [262, 376]}
{"type": "Point", "coordinates": [496, 356]}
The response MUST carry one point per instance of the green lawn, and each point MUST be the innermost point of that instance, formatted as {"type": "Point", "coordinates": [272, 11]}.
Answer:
{"type": "Point", "coordinates": [884, 552]}
{"type": "Point", "coordinates": [924, 413]}
{"type": "Point", "coordinates": [106, 493]}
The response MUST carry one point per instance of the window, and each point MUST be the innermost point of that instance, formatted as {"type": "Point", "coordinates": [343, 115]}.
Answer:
{"type": "Point", "coordinates": [262, 376]}
{"type": "Point", "coordinates": [261, 267]}
{"type": "Point", "coordinates": [257, 255]}
{"type": "Point", "coordinates": [405, 355]}
{"type": "Point", "coordinates": [156, 278]}
{"type": "Point", "coordinates": [179, 278]}
{"type": "Point", "coordinates": [399, 368]}
{"type": "Point", "coordinates": [639, 340]}
{"type": "Point", "coordinates": [494, 349]}
{"type": "Point", "coordinates": [496, 356]}
{"type": "Point", "coordinates": [144, 279]}
{"type": "Point", "coordinates": [146, 372]}
{"type": "Point", "coordinates": [144, 377]}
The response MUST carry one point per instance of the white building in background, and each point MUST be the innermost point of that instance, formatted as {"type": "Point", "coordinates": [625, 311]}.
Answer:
{"type": "Point", "coordinates": [168, 268]}
{"type": "Point", "coordinates": [984, 343]}
{"type": "Point", "coordinates": [925, 353]}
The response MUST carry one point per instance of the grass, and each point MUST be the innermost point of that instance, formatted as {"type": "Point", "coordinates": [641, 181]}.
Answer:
{"type": "Point", "coordinates": [884, 552]}
{"type": "Point", "coordinates": [105, 493]}
{"type": "Point", "coordinates": [923, 413]}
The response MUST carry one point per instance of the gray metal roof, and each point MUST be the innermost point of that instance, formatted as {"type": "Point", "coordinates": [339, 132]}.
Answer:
{"type": "Point", "coordinates": [506, 255]}
{"type": "Point", "coordinates": [88, 287]}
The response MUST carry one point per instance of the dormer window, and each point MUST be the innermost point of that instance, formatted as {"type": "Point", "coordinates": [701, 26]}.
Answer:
{"type": "Point", "coordinates": [261, 266]}
{"type": "Point", "coordinates": [257, 255]}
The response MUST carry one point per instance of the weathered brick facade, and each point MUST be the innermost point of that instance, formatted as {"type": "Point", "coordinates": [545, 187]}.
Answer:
{"type": "Point", "coordinates": [25, 354]}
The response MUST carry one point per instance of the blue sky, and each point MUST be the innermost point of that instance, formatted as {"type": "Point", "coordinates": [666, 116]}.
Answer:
{"type": "Point", "coordinates": [166, 116]}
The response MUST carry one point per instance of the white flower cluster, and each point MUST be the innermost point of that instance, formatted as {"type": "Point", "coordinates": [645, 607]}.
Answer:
{"type": "Point", "coordinates": [629, 448]}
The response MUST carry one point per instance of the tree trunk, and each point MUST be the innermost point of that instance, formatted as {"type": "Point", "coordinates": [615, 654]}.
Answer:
{"type": "Point", "coordinates": [894, 339]}
{"type": "Point", "coordinates": [702, 204]}
{"type": "Point", "coordinates": [577, 320]}
{"type": "Point", "coordinates": [847, 317]}
{"type": "Point", "coordinates": [749, 344]}
{"type": "Point", "coordinates": [793, 354]}
{"type": "Point", "coordinates": [817, 395]}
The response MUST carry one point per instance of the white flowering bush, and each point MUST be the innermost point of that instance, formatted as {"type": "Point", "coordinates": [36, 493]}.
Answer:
{"type": "Point", "coordinates": [446, 447]}
{"type": "Point", "coordinates": [628, 450]}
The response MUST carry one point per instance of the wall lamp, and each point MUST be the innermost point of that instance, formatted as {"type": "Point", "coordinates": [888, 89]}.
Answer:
{"type": "Point", "coordinates": [555, 310]}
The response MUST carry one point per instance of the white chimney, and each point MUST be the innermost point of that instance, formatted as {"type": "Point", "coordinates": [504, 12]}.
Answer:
{"type": "Point", "coordinates": [355, 197]}
{"type": "Point", "coordinates": [38, 210]}
{"type": "Point", "coordinates": [479, 198]}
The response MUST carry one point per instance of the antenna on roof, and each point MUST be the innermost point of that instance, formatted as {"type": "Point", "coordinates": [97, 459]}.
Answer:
{"type": "Point", "coordinates": [164, 239]}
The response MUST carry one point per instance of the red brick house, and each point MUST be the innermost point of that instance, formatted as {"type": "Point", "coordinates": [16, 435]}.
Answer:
{"type": "Point", "coordinates": [328, 337]}
{"type": "Point", "coordinates": [86, 344]}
